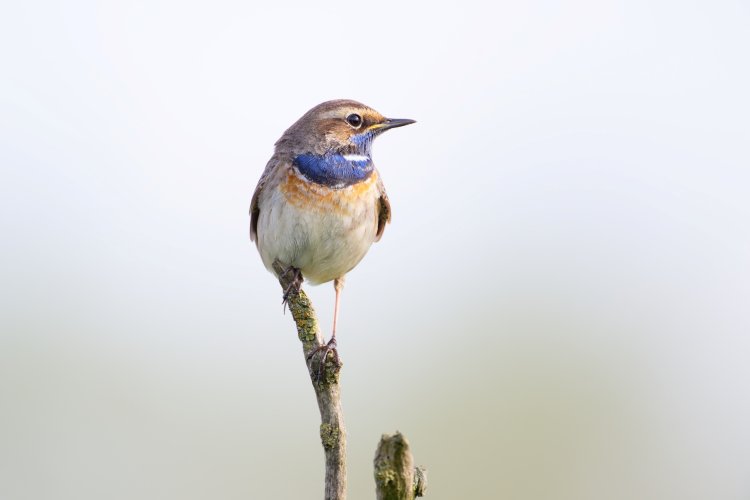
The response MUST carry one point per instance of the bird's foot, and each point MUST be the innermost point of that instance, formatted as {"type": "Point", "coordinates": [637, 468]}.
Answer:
{"type": "Point", "coordinates": [329, 347]}
{"type": "Point", "coordinates": [293, 276]}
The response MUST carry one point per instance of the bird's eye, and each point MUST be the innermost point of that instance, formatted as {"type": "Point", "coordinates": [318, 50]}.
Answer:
{"type": "Point", "coordinates": [354, 120]}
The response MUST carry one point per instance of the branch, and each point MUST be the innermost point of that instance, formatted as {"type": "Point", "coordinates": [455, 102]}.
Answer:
{"type": "Point", "coordinates": [396, 478]}
{"type": "Point", "coordinates": [327, 391]}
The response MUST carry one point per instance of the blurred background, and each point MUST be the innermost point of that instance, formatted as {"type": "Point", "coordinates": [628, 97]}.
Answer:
{"type": "Point", "coordinates": [559, 309]}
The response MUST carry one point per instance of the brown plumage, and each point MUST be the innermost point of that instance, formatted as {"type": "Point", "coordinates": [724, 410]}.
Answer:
{"type": "Point", "coordinates": [320, 203]}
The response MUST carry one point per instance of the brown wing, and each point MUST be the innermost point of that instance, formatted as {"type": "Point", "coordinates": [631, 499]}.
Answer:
{"type": "Point", "coordinates": [384, 210]}
{"type": "Point", "coordinates": [254, 208]}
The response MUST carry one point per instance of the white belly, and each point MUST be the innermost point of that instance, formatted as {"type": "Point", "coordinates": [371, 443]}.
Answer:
{"type": "Point", "coordinates": [324, 235]}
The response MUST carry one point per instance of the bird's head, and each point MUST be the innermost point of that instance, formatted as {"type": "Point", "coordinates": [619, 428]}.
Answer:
{"type": "Point", "coordinates": [341, 126]}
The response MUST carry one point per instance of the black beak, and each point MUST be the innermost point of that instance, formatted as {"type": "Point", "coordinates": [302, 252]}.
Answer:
{"type": "Point", "coordinates": [394, 122]}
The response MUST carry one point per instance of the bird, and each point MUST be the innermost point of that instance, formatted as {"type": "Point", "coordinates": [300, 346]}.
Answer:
{"type": "Point", "coordinates": [320, 202]}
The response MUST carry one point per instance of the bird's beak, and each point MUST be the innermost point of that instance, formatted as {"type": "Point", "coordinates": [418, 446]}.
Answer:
{"type": "Point", "coordinates": [392, 123]}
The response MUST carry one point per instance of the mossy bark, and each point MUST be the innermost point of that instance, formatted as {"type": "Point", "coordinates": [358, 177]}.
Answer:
{"type": "Point", "coordinates": [325, 381]}
{"type": "Point", "coordinates": [396, 478]}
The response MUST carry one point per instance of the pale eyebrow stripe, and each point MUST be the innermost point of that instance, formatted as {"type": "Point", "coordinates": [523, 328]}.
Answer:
{"type": "Point", "coordinates": [335, 113]}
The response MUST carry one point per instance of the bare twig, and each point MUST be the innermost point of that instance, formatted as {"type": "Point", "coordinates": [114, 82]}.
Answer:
{"type": "Point", "coordinates": [325, 381]}
{"type": "Point", "coordinates": [396, 478]}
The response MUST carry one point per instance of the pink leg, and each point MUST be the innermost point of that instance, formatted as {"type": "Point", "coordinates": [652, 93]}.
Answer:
{"type": "Point", "coordinates": [338, 285]}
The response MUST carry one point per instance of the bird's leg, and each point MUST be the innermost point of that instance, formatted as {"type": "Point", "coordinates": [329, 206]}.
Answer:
{"type": "Point", "coordinates": [330, 346]}
{"type": "Point", "coordinates": [338, 285]}
{"type": "Point", "coordinates": [293, 285]}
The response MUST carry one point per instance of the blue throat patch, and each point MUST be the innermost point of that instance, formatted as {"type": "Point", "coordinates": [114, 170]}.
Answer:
{"type": "Point", "coordinates": [334, 170]}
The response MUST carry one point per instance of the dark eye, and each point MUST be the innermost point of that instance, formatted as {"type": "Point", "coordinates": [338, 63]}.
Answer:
{"type": "Point", "coordinates": [354, 120]}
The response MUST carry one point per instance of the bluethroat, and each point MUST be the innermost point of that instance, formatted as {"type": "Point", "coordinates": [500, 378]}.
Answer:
{"type": "Point", "coordinates": [320, 202]}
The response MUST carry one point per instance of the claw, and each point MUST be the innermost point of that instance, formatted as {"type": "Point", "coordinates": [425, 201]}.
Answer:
{"type": "Point", "coordinates": [294, 285]}
{"type": "Point", "coordinates": [325, 348]}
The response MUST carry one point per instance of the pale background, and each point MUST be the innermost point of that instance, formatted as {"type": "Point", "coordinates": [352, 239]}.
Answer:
{"type": "Point", "coordinates": [560, 309]}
